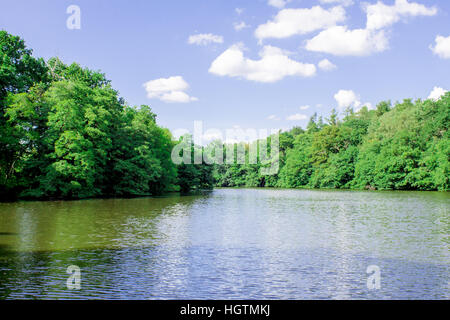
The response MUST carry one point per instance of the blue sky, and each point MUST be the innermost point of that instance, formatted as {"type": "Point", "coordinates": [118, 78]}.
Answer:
{"type": "Point", "coordinates": [378, 50]}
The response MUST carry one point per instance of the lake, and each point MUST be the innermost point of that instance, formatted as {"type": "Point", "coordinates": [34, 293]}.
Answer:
{"type": "Point", "coordinates": [230, 244]}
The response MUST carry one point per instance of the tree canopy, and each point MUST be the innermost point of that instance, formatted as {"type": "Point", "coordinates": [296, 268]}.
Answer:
{"type": "Point", "coordinates": [65, 133]}
{"type": "Point", "coordinates": [401, 147]}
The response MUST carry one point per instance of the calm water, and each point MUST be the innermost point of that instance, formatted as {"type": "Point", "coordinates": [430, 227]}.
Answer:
{"type": "Point", "coordinates": [230, 244]}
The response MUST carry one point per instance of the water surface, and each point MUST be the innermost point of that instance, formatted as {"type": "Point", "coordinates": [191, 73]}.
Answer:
{"type": "Point", "coordinates": [229, 244]}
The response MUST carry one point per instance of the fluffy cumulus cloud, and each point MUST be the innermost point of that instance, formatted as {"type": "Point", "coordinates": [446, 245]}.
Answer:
{"type": "Point", "coordinates": [305, 107]}
{"type": "Point", "coordinates": [347, 98]}
{"type": "Point", "coordinates": [437, 93]}
{"type": "Point", "coordinates": [326, 65]}
{"type": "Point", "coordinates": [289, 22]}
{"type": "Point", "coordinates": [204, 39]}
{"type": "Point", "coordinates": [274, 64]}
{"type": "Point", "coordinates": [297, 117]}
{"type": "Point", "coordinates": [169, 90]}
{"type": "Point", "coordinates": [340, 41]}
{"type": "Point", "coordinates": [442, 47]}
{"type": "Point", "coordinates": [278, 3]}
{"type": "Point", "coordinates": [380, 15]}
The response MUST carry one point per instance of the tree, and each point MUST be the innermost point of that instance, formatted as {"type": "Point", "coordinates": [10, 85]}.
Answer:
{"type": "Point", "coordinates": [67, 134]}
{"type": "Point", "coordinates": [141, 162]}
{"type": "Point", "coordinates": [192, 176]}
{"type": "Point", "coordinates": [19, 71]}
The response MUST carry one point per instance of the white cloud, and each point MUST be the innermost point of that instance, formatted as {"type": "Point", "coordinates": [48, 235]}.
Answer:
{"type": "Point", "coordinates": [289, 22]}
{"type": "Point", "coordinates": [380, 15]}
{"type": "Point", "coordinates": [297, 117]}
{"type": "Point", "coordinates": [347, 98]}
{"type": "Point", "coordinates": [278, 3]}
{"type": "Point", "coordinates": [437, 93]}
{"type": "Point", "coordinates": [203, 39]}
{"type": "Point", "coordinates": [340, 41]}
{"type": "Point", "coordinates": [442, 47]}
{"type": "Point", "coordinates": [344, 3]}
{"type": "Point", "coordinates": [273, 117]}
{"type": "Point", "coordinates": [273, 66]}
{"type": "Point", "coordinates": [326, 65]}
{"type": "Point", "coordinates": [306, 107]}
{"type": "Point", "coordinates": [168, 90]}
{"type": "Point", "coordinates": [241, 25]}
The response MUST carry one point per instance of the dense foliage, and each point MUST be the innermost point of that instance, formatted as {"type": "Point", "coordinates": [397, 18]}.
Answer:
{"type": "Point", "coordinates": [405, 147]}
{"type": "Point", "coordinates": [65, 133]}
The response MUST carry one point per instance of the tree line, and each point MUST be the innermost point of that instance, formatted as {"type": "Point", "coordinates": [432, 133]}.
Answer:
{"type": "Point", "coordinates": [404, 146]}
{"type": "Point", "coordinates": [66, 133]}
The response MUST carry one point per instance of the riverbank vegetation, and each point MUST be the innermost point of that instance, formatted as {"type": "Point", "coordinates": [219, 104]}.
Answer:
{"type": "Point", "coordinates": [404, 146]}
{"type": "Point", "coordinates": [66, 134]}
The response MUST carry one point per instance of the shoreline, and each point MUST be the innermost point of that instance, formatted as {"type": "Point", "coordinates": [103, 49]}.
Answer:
{"type": "Point", "coordinates": [194, 193]}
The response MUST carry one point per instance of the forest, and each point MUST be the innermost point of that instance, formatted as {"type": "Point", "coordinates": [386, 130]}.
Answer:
{"type": "Point", "coordinates": [66, 134]}
{"type": "Point", "coordinates": [404, 146]}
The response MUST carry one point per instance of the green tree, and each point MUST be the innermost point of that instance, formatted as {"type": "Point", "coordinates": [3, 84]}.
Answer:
{"type": "Point", "coordinates": [19, 71]}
